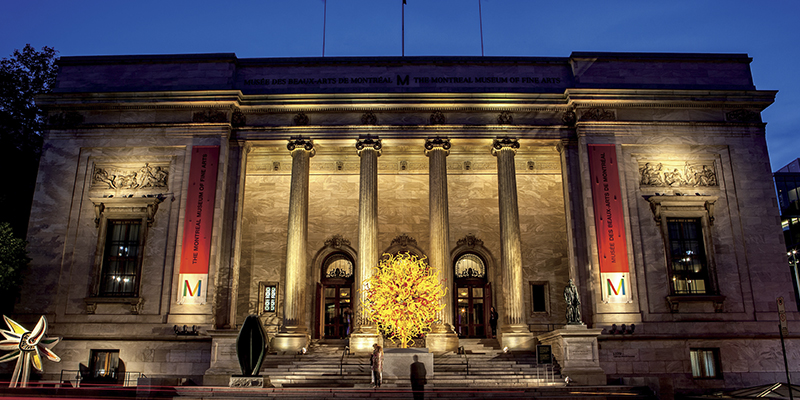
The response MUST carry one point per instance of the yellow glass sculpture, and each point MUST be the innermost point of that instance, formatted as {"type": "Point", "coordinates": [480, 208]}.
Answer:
{"type": "Point", "coordinates": [403, 297]}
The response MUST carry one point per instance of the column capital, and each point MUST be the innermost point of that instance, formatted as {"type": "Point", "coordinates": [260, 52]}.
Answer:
{"type": "Point", "coordinates": [301, 144]}
{"type": "Point", "coordinates": [434, 143]}
{"type": "Point", "coordinates": [504, 143]}
{"type": "Point", "coordinates": [368, 142]}
{"type": "Point", "coordinates": [564, 143]}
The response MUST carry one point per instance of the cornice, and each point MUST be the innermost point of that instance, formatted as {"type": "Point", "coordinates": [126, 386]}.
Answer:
{"type": "Point", "coordinates": [442, 130]}
{"type": "Point", "coordinates": [411, 102]}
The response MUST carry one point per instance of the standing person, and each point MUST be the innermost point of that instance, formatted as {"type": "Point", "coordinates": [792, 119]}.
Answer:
{"type": "Point", "coordinates": [493, 321]}
{"type": "Point", "coordinates": [419, 377]}
{"type": "Point", "coordinates": [377, 365]}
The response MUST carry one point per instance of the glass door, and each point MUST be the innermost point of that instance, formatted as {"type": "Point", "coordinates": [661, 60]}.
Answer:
{"type": "Point", "coordinates": [470, 316]}
{"type": "Point", "coordinates": [338, 311]}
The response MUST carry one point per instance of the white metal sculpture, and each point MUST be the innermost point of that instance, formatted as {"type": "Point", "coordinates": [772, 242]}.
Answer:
{"type": "Point", "coordinates": [27, 348]}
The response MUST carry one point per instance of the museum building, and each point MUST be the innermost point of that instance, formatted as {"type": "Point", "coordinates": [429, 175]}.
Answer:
{"type": "Point", "coordinates": [178, 194]}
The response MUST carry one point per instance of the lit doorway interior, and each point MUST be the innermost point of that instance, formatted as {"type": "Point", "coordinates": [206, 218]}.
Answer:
{"type": "Point", "coordinates": [473, 297]}
{"type": "Point", "coordinates": [336, 295]}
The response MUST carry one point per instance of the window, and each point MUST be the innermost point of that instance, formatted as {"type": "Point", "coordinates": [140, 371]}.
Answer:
{"type": "Point", "coordinates": [119, 276]}
{"type": "Point", "coordinates": [686, 224]}
{"type": "Point", "coordinates": [687, 256]}
{"type": "Point", "coordinates": [705, 363]}
{"type": "Point", "coordinates": [269, 296]}
{"type": "Point", "coordinates": [470, 266]}
{"type": "Point", "coordinates": [338, 266]}
{"type": "Point", "coordinates": [103, 364]}
{"type": "Point", "coordinates": [539, 297]}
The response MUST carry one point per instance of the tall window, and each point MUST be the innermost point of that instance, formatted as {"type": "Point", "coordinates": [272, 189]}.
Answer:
{"type": "Point", "coordinates": [269, 296]}
{"type": "Point", "coordinates": [539, 297]}
{"type": "Point", "coordinates": [705, 363]}
{"type": "Point", "coordinates": [119, 276]}
{"type": "Point", "coordinates": [687, 256]}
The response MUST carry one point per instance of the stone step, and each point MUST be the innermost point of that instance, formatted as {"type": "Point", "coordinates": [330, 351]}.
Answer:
{"type": "Point", "coordinates": [385, 392]}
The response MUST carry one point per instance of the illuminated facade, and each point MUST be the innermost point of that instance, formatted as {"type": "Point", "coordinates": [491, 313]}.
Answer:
{"type": "Point", "coordinates": [787, 183]}
{"type": "Point", "coordinates": [195, 190]}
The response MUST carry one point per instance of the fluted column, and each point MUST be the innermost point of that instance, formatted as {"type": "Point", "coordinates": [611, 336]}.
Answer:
{"type": "Point", "coordinates": [442, 337]}
{"type": "Point", "coordinates": [365, 333]}
{"type": "Point", "coordinates": [294, 332]}
{"type": "Point", "coordinates": [514, 328]}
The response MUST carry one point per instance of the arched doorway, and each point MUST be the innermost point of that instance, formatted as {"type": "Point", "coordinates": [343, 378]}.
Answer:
{"type": "Point", "coordinates": [334, 264]}
{"type": "Point", "coordinates": [337, 296]}
{"type": "Point", "coordinates": [473, 297]}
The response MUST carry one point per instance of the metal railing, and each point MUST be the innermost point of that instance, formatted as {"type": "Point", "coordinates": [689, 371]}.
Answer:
{"type": "Point", "coordinates": [464, 353]}
{"type": "Point", "coordinates": [549, 373]}
{"type": "Point", "coordinates": [75, 378]}
{"type": "Point", "coordinates": [345, 352]}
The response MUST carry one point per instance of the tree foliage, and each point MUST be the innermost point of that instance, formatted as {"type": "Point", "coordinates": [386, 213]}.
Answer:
{"type": "Point", "coordinates": [13, 263]}
{"type": "Point", "coordinates": [22, 76]}
{"type": "Point", "coordinates": [403, 297]}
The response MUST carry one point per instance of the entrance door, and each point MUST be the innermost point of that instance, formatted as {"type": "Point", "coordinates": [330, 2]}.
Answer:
{"type": "Point", "coordinates": [338, 311]}
{"type": "Point", "coordinates": [471, 314]}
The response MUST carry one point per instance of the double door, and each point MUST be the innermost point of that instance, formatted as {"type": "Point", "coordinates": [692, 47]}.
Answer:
{"type": "Point", "coordinates": [337, 311]}
{"type": "Point", "coordinates": [473, 302]}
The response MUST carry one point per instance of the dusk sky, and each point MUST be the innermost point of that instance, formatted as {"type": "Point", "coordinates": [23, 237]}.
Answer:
{"type": "Point", "coordinates": [765, 30]}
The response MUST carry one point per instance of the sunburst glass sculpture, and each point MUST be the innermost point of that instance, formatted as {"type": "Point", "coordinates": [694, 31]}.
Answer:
{"type": "Point", "coordinates": [27, 348]}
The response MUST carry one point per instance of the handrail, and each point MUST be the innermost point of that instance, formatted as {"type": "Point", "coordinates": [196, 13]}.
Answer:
{"type": "Point", "coordinates": [464, 352]}
{"type": "Point", "coordinates": [76, 376]}
{"type": "Point", "coordinates": [345, 351]}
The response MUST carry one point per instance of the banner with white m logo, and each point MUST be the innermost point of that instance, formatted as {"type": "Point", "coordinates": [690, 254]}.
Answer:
{"type": "Point", "coordinates": [192, 288]}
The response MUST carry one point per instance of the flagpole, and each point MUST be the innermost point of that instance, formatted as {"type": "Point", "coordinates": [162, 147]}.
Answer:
{"type": "Point", "coordinates": [480, 18]}
{"type": "Point", "coordinates": [324, 23]}
{"type": "Point", "coordinates": [403, 31]}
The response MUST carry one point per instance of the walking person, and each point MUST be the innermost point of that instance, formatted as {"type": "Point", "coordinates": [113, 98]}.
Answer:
{"type": "Point", "coordinates": [377, 365]}
{"type": "Point", "coordinates": [493, 321]}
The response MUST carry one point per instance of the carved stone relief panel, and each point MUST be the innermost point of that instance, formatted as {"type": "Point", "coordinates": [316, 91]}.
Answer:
{"type": "Point", "coordinates": [677, 173]}
{"type": "Point", "coordinates": [147, 176]}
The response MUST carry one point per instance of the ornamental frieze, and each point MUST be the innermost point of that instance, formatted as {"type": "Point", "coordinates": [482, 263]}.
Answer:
{"type": "Point", "coordinates": [673, 174]}
{"type": "Point", "coordinates": [144, 177]}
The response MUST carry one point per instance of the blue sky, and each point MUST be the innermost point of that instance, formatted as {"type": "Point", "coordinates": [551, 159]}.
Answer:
{"type": "Point", "coordinates": [766, 30]}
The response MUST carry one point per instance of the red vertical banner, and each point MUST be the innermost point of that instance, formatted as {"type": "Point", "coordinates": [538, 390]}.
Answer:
{"type": "Point", "coordinates": [609, 220]}
{"type": "Point", "coordinates": [197, 225]}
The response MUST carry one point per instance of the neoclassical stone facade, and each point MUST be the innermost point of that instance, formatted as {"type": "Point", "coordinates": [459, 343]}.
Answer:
{"type": "Point", "coordinates": [486, 166]}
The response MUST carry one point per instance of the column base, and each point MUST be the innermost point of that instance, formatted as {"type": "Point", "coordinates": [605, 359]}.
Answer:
{"type": "Point", "coordinates": [575, 348]}
{"type": "Point", "coordinates": [517, 338]}
{"type": "Point", "coordinates": [441, 339]}
{"type": "Point", "coordinates": [289, 342]}
{"type": "Point", "coordinates": [362, 342]}
{"type": "Point", "coordinates": [224, 361]}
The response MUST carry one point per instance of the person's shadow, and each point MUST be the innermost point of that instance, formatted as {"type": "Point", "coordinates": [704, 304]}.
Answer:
{"type": "Point", "coordinates": [418, 378]}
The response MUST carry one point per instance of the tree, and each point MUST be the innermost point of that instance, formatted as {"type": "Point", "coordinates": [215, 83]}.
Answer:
{"type": "Point", "coordinates": [22, 76]}
{"type": "Point", "coordinates": [13, 263]}
{"type": "Point", "coordinates": [403, 297]}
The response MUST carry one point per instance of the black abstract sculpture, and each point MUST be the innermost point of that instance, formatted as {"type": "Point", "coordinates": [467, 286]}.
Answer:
{"type": "Point", "coordinates": [251, 346]}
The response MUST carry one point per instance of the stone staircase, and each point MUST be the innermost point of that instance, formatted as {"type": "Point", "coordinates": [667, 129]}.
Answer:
{"type": "Point", "coordinates": [483, 365]}
{"type": "Point", "coordinates": [482, 371]}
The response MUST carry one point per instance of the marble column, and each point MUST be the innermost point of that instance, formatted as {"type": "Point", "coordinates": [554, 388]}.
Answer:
{"type": "Point", "coordinates": [233, 293]}
{"type": "Point", "coordinates": [293, 335]}
{"type": "Point", "coordinates": [442, 338]}
{"type": "Point", "coordinates": [514, 332]}
{"type": "Point", "coordinates": [365, 333]}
